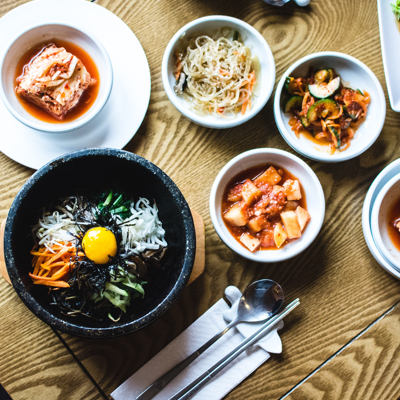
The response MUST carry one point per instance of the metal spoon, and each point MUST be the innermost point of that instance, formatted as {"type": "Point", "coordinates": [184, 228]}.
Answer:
{"type": "Point", "coordinates": [261, 300]}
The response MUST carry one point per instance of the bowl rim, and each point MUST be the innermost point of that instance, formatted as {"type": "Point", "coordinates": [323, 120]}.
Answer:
{"type": "Point", "coordinates": [85, 118]}
{"type": "Point", "coordinates": [276, 255]}
{"type": "Point", "coordinates": [375, 226]}
{"type": "Point", "coordinates": [319, 156]}
{"type": "Point", "coordinates": [369, 200]}
{"type": "Point", "coordinates": [129, 326]}
{"type": "Point", "coordinates": [262, 99]}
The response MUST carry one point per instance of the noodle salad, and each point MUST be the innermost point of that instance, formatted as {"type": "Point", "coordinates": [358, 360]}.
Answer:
{"type": "Point", "coordinates": [217, 75]}
{"type": "Point", "coordinates": [95, 254]}
{"type": "Point", "coordinates": [323, 107]}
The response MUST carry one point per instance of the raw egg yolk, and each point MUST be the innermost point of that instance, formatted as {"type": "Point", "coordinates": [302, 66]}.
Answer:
{"type": "Point", "coordinates": [98, 244]}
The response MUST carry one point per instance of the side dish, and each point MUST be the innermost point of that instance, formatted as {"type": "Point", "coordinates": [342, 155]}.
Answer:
{"type": "Point", "coordinates": [216, 74]}
{"type": "Point", "coordinates": [94, 253]}
{"type": "Point", "coordinates": [396, 9]}
{"type": "Point", "coordinates": [325, 110]}
{"type": "Point", "coordinates": [55, 80]}
{"type": "Point", "coordinates": [264, 208]}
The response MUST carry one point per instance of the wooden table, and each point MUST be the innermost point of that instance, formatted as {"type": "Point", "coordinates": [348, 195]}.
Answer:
{"type": "Point", "coordinates": [343, 291]}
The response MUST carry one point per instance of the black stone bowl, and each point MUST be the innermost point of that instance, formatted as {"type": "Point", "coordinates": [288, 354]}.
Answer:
{"type": "Point", "coordinates": [97, 170]}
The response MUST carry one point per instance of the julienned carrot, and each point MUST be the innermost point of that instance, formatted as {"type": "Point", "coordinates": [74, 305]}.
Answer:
{"type": "Point", "coordinates": [178, 66]}
{"type": "Point", "coordinates": [220, 111]}
{"type": "Point", "coordinates": [52, 283]}
{"type": "Point", "coordinates": [250, 86]}
{"type": "Point", "coordinates": [59, 274]}
{"type": "Point", "coordinates": [41, 254]}
{"type": "Point", "coordinates": [244, 106]}
{"type": "Point", "coordinates": [53, 267]}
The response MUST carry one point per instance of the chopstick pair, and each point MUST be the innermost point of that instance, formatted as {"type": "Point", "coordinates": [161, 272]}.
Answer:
{"type": "Point", "coordinates": [191, 389]}
{"type": "Point", "coordinates": [198, 383]}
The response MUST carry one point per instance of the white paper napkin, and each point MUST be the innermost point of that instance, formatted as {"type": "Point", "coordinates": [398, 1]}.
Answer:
{"type": "Point", "coordinates": [203, 329]}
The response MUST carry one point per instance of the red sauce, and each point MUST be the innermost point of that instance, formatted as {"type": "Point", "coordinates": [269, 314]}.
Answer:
{"type": "Point", "coordinates": [303, 131]}
{"type": "Point", "coordinates": [393, 219]}
{"type": "Point", "coordinates": [266, 235]}
{"type": "Point", "coordinates": [89, 95]}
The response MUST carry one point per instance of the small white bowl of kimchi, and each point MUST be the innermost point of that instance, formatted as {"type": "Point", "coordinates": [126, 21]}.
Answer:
{"type": "Point", "coordinates": [55, 77]}
{"type": "Point", "coordinates": [335, 112]}
{"type": "Point", "coordinates": [218, 71]}
{"type": "Point", "coordinates": [267, 205]}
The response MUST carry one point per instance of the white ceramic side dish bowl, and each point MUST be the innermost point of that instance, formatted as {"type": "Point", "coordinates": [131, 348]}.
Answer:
{"type": "Point", "coordinates": [354, 74]}
{"type": "Point", "coordinates": [386, 174]}
{"type": "Point", "coordinates": [258, 46]}
{"type": "Point", "coordinates": [35, 35]}
{"type": "Point", "coordinates": [314, 197]}
{"type": "Point", "coordinates": [384, 202]}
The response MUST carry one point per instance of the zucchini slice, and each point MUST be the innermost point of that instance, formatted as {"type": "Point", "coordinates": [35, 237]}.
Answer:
{"type": "Point", "coordinates": [321, 76]}
{"type": "Point", "coordinates": [335, 136]}
{"type": "Point", "coordinates": [322, 108]}
{"type": "Point", "coordinates": [304, 121]}
{"type": "Point", "coordinates": [332, 74]}
{"type": "Point", "coordinates": [351, 90]}
{"type": "Point", "coordinates": [324, 90]}
{"type": "Point", "coordinates": [289, 84]}
{"type": "Point", "coordinates": [294, 103]}
{"type": "Point", "coordinates": [353, 113]}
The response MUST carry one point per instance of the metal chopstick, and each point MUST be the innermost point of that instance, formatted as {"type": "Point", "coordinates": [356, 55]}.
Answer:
{"type": "Point", "coordinates": [202, 380]}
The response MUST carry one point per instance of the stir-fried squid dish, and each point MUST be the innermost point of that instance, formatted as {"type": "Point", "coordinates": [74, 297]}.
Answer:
{"type": "Point", "coordinates": [323, 106]}
{"type": "Point", "coordinates": [94, 253]}
{"type": "Point", "coordinates": [216, 75]}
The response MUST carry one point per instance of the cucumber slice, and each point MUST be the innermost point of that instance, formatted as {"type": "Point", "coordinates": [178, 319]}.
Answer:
{"type": "Point", "coordinates": [294, 103]}
{"type": "Point", "coordinates": [322, 108]}
{"type": "Point", "coordinates": [289, 84]}
{"type": "Point", "coordinates": [349, 88]}
{"type": "Point", "coordinates": [350, 109]}
{"type": "Point", "coordinates": [351, 114]}
{"type": "Point", "coordinates": [355, 90]}
{"type": "Point", "coordinates": [335, 136]}
{"type": "Point", "coordinates": [115, 289]}
{"type": "Point", "coordinates": [324, 90]}
{"type": "Point", "coordinates": [321, 76]}
{"type": "Point", "coordinates": [304, 121]}
{"type": "Point", "coordinates": [332, 74]}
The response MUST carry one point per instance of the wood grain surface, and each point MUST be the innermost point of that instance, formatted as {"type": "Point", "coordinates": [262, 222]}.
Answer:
{"type": "Point", "coordinates": [34, 364]}
{"type": "Point", "coordinates": [367, 369]}
{"type": "Point", "coordinates": [341, 287]}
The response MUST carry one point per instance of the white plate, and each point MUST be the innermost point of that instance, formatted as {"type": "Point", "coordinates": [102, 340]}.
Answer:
{"type": "Point", "coordinates": [390, 43]}
{"type": "Point", "coordinates": [125, 110]}
{"type": "Point", "coordinates": [380, 181]}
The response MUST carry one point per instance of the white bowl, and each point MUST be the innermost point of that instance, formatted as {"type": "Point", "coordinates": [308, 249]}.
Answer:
{"type": "Point", "coordinates": [258, 46]}
{"type": "Point", "coordinates": [356, 75]}
{"type": "Point", "coordinates": [385, 200]}
{"type": "Point", "coordinates": [46, 33]}
{"type": "Point", "coordinates": [385, 175]}
{"type": "Point", "coordinates": [309, 181]}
